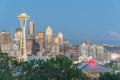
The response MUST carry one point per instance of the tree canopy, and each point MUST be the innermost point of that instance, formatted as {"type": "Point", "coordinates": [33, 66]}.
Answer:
{"type": "Point", "coordinates": [6, 64]}
{"type": "Point", "coordinates": [59, 68]}
{"type": "Point", "coordinates": [109, 76]}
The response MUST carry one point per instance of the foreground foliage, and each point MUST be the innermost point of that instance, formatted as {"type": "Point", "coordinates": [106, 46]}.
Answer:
{"type": "Point", "coordinates": [6, 67]}
{"type": "Point", "coordinates": [110, 76]}
{"type": "Point", "coordinates": [59, 68]}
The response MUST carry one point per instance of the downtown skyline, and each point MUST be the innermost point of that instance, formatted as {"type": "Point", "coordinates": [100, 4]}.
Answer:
{"type": "Point", "coordinates": [77, 20]}
{"type": "Point", "coordinates": [59, 40]}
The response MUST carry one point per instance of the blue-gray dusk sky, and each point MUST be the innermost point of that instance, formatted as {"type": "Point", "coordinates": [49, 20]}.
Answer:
{"type": "Point", "coordinates": [76, 19]}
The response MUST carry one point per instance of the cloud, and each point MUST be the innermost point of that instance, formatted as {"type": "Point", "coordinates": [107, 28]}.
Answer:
{"type": "Point", "coordinates": [111, 36]}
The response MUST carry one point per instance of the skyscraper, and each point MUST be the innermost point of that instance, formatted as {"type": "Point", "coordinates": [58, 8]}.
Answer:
{"type": "Point", "coordinates": [60, 36]}
{"type": "Point", "coordinates": [5, 38]}
{"type": "Point", "coordinates": [100, 53]}
{"type": "Point", "coordinates": [18, 34]}
{"type": "Point", "coordinates": [23, 17]}
{"type": "Point", "coordinates": [40, 38]}
{"type": "Point", "coordinates": [5, 41]}
{"type": "Point", "coordinates": [32, 47]}
{"type": "Point", "coordinates": [31, 30]}
{"type": "Point", "coordinates": [84, 49]}
{"type": "Point", "coordinates": [56, 40]}
{"type": "Point", "coordinates": [49, 36]}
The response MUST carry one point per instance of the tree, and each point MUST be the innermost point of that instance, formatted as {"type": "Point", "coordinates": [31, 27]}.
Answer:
{"type": "Point", "coordinates": [6, 67]}
{"type": "Point", "coordinates": [113, 66]}
{"type": "Point", "coordinates": [109, 76]}
{"type": "Point", "coordinates": [59, 68]}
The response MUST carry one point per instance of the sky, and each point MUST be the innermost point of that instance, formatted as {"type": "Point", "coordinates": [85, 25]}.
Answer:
{"type": "Point", "coordinates": [76, 19]}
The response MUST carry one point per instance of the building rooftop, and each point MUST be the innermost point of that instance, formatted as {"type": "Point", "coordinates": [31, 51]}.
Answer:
{"type": "Point", "coordinates": [92, 66]}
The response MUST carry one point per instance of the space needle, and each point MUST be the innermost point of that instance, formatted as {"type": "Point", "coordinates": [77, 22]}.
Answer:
{"type": "Point", "coordinates": [23, 17]}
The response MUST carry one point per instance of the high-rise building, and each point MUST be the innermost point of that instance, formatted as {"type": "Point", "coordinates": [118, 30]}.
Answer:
{"type": "Point", "coordinates": [18, 34]}
{"type": "Point", "coordinates": [5, 38]}
{"type": "Point", "coordinates": [31, 30]}
{"type": "Point", "coordinates": [23, 17]}
{"type": "Point", "coordinates": [31, 38]}
{"type": "Point", "coordinates": [40, 39]}
{"type": "Point", "coordinates": [60, 36]}
{"type": "Point", "coordinates": [56, 40]}
{"type": "Point", "coordinates": [29, 46]}
{"type": "Point", "coordinates": [49, 36]}
{"type": "Point", "coordinates": [100, 53]}
{"type": "Point", "coordinates": [5, 41]}
{"type": "Point", "coordinates": [35, 47]}
{"type": "Point", "coordinates": [84, 49]}
{"type": "Point", "coordinates": [55, 50]}
{"type": "Point", "coordinates": [32, 47]}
